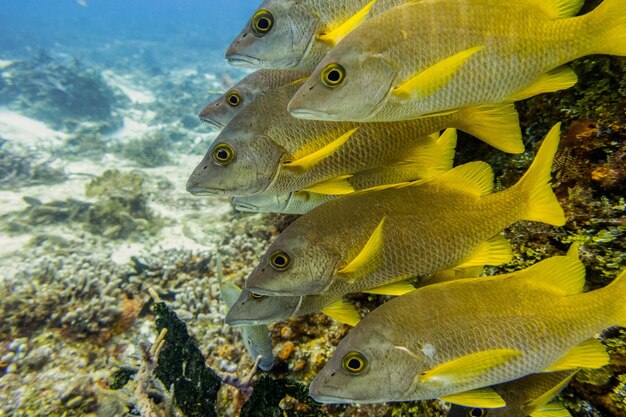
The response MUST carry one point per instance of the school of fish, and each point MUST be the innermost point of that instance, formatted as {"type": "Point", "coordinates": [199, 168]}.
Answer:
{"type": "Point", "coordinates": [351, 121]}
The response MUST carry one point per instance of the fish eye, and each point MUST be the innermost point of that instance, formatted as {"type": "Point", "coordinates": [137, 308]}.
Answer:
{"type": "Point", "coordinates": [354, 363]}
{"type": "Point", "coordinates": [279, 260]}
{"type": "Point", "coordinates": [477, 412]}
{"type": "Point", "coordinates": [332, 75]}
{"type": "Point", "coordinates": [233, 98]}
{"type": "Point", "coordinates": [223, 154]}
{"type": "Point", "coordinates": [256, 297]}
{"type": "Point", "coordinates": [262, 22]}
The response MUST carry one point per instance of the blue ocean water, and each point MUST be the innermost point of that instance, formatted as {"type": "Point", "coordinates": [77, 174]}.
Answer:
{"type": "Point", "coordinates": [194, 25]}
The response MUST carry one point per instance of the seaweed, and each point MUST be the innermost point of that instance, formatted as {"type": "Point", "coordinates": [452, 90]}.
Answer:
{"type": "Point", "coordinates": [121, 208]}
{"type": "Point", "coordinates": [20, 167]}
{"type": "Point", "coordinates": [149, 151]}
{"type": "Point", "coordinates": [181, 366]}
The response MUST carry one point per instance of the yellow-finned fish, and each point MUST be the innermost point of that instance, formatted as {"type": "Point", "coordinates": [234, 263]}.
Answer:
{"type": "Point", "coordinates": [374, 237]}
{"type": "Point", "coordinates": [296, 33]}
{"type": "Point", "coordinates": [452, 340]}
{"type": "Point", "coordinates": [428, 57]}
{"type": "Point", "coordinates": [300, 202]}
{"type": "Point", "coordinates": [265, 150]}
{"type": "Point", "coordinates": [224, 108]}
{"type": "Point", "coordinates": [256, 339]}
{"type": "Point", "coordinates": [532, 396]}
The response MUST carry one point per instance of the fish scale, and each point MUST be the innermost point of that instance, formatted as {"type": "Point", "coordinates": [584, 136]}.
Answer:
{"type": "Point", "coordinates": [372, 145]}
{"type": "Point", "coordinates": [521, 43]}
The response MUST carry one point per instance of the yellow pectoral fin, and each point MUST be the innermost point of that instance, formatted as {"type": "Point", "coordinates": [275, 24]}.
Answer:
{"type": "Point", "coordinates": [395, 288]}
{"type": "Point", "coordinates": [307, 162]}
{"type": "Point", "coordinates": [432, 79]}
{"type": "Point", "coordinates": [343, 312]}
{"type": "Point", "coordinates": [495, 251]}
{"type": "Point", "coordinates": [480, 398]}
{"type": "Point", "coordinates": [334, 186]}
{"type": "Point", "coordinates": [559, 78]}
{"type": "Point", "coordinates": [554, 409]}
{"type": "Point", "coordinates": [370, 252]}
{"type": "Point", "coordinates": [469, 367]}
{"type": "Point", "coordinates": [333, 37]}
{"type": "Point", "coordinates": [542, 401]}
{"type": "Point", "coordinates": [589, 354]}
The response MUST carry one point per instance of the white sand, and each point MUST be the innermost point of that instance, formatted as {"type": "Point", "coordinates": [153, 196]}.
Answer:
{"type": "Point", "coordinates": [136, 93]}
{"type": "Point", "coordinates": [29, 132]}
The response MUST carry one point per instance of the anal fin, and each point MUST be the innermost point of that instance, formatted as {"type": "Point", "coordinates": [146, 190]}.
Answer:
{"type": "Point", "coordinates": [480, 398]}
{"type": "Point", "coordinates": [343, 312]}
{"type": "Point", "coordinates": [557, 79]}
{"type": "Point", "coordinates": [495, 251]}
{"type": "Point", "coordinates": [553, 409]}
{"type": "Point", "coordinates": [589, 354]}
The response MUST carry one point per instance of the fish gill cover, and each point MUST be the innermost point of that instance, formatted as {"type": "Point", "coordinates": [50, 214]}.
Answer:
{"type": "Point", "coordinates": [99, 134]}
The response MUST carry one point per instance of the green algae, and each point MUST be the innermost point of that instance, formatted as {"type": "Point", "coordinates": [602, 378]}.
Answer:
{"type": "Point", "coordinates": [149, 151]}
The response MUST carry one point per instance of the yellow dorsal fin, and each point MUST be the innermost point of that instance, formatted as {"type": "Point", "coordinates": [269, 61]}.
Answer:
{"type": "Point", "coordinates": [480, 398]}
{"type": "Point", "coordinates": [433, 78]}
{"type": "Point", "coordinates": [589, 354]}
{"type": "Point", "coordinates": [474, 177]}
{"type": "Point", "coordinates": [334, 186]}
{"type": "Point", "coordinates": [573, 250]}
{"type": "Point", "coordinates": [543, 400]}
{"type": "Point", "coordinates": [333, 37]}
{"type": "Point", "coordinates": [469, 367]}
{"type": "Point", "coordinates": [564, 274]}
{"type": "Point", "coordinates": [437, 157]}
{"type": "Point", "coordinates": [496, 125]}
{"type": "Point", "coordinates": [495, 251]}
{"type": "Point", "coordinates": [343, 312]}
{"type": "Point", "coordinates": [307, 162]}
{"type": "Point", "coordinates": [553, 409]}
{"type": "Point", "coordinates": [395, 288]}
{"type": "Point", "coordinates": [559, 9]}
{"type": "Point", "coordinates": [369, 255]}
{"type": "Point", "coordinates": [559, 78]}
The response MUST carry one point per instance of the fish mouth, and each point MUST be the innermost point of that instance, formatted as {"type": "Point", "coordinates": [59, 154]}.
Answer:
{"type": "Point", "coordinates": [238, 60]}
{"type": "Point", "coordinates": [212, 122]}
{"type": "Point", "coordinates": [200, 191]}
{"type": "Point", "coordinates": [242, 206]}
{"type": "Point", "coordinates": [308, 114]}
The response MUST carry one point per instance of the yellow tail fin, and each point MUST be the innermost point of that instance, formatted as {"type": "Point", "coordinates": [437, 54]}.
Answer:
{"type": "Point", "coordinates": [497, 126]}
{"type": "Point", "coordinates": [607, 25]}
{"type": "Point", "coordinates": [542, 203]}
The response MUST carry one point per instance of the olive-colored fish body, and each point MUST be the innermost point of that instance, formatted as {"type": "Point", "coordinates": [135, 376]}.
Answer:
{"type": "Point", "coordinates": [266, 150]}
{"type": "Point", "coordinates": [446, 340]}
{"type": "Point", "coordinates": [426, 57]}
{"type": "Point", "coordinates": [290, 33]}
{"type": "Point", "coordinates": [375, 237]}
{"type": "Point", "coordinates": [256, 339]}
{"type": "Point", "coordinates": [523, 397]}
{"type": "Point", "coordinates": [300, 202]}
{"type": "Point", "coordinates": [224, 108]}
